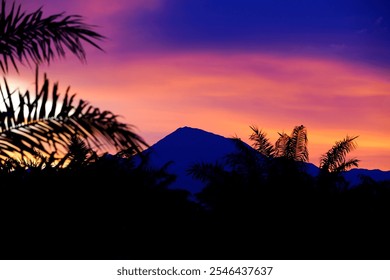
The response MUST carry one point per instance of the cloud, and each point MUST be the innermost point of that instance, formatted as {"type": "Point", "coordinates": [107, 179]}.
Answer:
{"type": "Point", "coordinates": [93, 8]}
{"type": "Point", "coordinates": [347, 29]}
{"type": "Point", "coordinates": [294, 27]}
{"type": "Point", "coordinates": [101, 8]}
{"type": "Point", "coordinates": [226, 93]}
{"type": "Point", "coordinates": [223, 66]}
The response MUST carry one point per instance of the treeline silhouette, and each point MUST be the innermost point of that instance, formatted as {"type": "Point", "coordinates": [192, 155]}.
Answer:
{"type": "Point", "coordinates": [264, 202]}
{"type": "Point", "coordinates": [259, 203]}
{"type": "Point", "coordinates": [119, 207]}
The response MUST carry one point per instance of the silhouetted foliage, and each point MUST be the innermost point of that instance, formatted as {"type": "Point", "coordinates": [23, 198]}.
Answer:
{"type": "Point", "coordinates": [261, 142]}
{"type": "Point", "coordinates": [41, 121]}
{"type": "Point", "coordinates": [80, 204]}
{"type": "Point", "coordinates": [120, 207]}
{"type": "Point", "coordinates": [45, 122]}
{"type": "Point", "coordinates": [293, 147]}
{"type": "Point", "coordinates": [29, 37]}
{"type": "Point", "coordinates": [334, 161]}
{"type": "Point", "coordinates": [59, 198]}
{"type": "Point", "coordinates": [265, 200]}
{"type": "Point", "coordinates": [100, 207]}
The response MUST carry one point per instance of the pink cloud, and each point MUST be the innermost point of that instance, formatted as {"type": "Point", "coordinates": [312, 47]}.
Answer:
{"type": "Point", "coordinates": [227, 93]}
{"type": "Point", "coordinates": [91, 8]}
{"type": "Point", "coordinates": [100, 8]}
{"type": "Point", "coordinates": [223, 92]}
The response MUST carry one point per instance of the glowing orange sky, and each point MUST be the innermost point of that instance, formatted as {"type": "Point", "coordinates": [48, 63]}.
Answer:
{"type": "Point", "coordinates": [226, 91]}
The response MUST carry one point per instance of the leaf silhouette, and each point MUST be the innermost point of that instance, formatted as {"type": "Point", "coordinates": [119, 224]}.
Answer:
{"type": "Point", "coordinates": [44, 122]}
{"type": "Point", "coordinates": [334, 161]}
{"type": "Point", "coordinates": [26, 37]}
{"type": "Point", "coordinates": [261, 142]}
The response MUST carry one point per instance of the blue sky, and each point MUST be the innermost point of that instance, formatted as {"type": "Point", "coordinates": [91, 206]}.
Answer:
{"type": "Point", "coordinates": [357, 30]}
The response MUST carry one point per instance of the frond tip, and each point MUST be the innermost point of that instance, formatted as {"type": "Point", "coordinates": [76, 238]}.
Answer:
{"type": "Point", "coordinates": [38, 122]}
{"type": "Point", "coordinates": [298, 144]}
{"type": "Point", "coordinates": [334, 160]}
{"type": "Point", "coordinates": [30, 37]}
{"type": "Point", "coordinates": [261, 142]}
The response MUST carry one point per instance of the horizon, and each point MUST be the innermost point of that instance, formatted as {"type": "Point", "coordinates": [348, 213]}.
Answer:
{"type": "Point", "coordinates": [249, 143]}
{"type": "Point", "coordinates": [223, 66]}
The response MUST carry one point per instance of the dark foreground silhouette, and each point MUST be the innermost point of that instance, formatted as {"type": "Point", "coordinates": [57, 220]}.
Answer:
{"type": "Point", "coordinates": [108, 208]}
{"type": "Point", "coordinates": [111, 209]}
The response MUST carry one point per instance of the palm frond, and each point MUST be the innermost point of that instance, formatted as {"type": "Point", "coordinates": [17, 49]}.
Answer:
{"type": "Point", "coordinates": [261, 142]}
{"type": "Point", "coordinates": [241, 146]}
{"type": "Point", "coordinates": [335, 159]}
{"type": "Point", "coordinates": [37, 161]}
{"type": "Point", "coordinates": [79, 154]}
{"type": "Point", "coordinates": [297, 144]}
{"type": "Point", "coordinates": [281, 144]}
{"type": "Point", "coordinates": [246, 160]}
{"type": "Point", "coordinates": [293, 147]}
{"type": "Point", "coordinates": [26, 37]}
{"type": "Point", "coordinates": [347, 165]}
{"type": "Point", "coordinates": [29, 122]}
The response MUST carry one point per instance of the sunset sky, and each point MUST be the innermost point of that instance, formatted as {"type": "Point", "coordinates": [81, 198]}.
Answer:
{"type": "Point", "coordinates": [223, 65]}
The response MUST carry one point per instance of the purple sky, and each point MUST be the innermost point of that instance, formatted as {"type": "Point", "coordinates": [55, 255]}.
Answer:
{"type": "Point", "coordinates": [222, 65]}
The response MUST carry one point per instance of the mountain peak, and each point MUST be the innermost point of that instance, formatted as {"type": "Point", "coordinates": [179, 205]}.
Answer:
{"type": "Point", "coordinates": [186, 131]}
{"type": "Point", "coordinates": [183, 128]}
{"type": "Point", "coordinates": [185, 147]}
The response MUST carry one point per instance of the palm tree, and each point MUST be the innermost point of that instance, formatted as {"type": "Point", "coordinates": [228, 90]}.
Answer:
{"type": "Point", "coordinates": [30, 37]}
{"type": "Point", "coordinates": [334, 161]}
{"type": "Point", "coordinates": [247, 166]}
{"type": "Point", "coordinates": [261, 142]}
{"type": "Point", "coordinates": [28, 122]}
{"type": "Point", "coordinates": [293, 147]}
{"type": "Point", "coordinates": [44, 123]}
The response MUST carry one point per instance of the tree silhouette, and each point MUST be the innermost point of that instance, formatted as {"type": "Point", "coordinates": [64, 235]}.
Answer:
{"type": "Point", "coordinates": [261, 142]}
{"type": "Point", "coordinates": [334, 161]}
{"type": "Point", "coordinates": [293, 147]}
{"type": "Point", "coordinates": [253, 171]}
{"type": "Point", "coordinates": [59, 197]}
{"type": "Point", "coordinates": [302, 212]}
{"type": "Point", "coordinates": [105, 200]}
{"type": "Point", "coordinates": [31, 37]}
{"type": "Point", "coordinates": [29, 122]}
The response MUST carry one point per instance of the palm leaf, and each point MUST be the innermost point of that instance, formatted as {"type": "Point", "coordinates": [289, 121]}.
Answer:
{"type": "Point", "coordinates": [297, 144]}
{"type": "Point", "coordinates": [79, 154]}
{"type": "Point", "coordinates": [293, 147]}
{"type": "Point", "coordinates": [26, 37]}
{"type": "Point", "coordinates": [335, 159]}
{"type": "Point", "coordinates": [261, 142]}
{"type": "Point", "coordinates": [347, 165]}
{"type": "Point", "coordinates": [281, 145]}
{"type": "Point", "coordinates": [30, 123]}
{"type": "Point", "coordinates": [245, 161]}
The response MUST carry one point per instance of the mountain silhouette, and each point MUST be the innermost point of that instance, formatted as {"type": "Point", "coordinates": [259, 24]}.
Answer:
{"type": "Point", "coordinates": [184, 147]}
{"type": "Point", "coordinates": [187, 146]}
{"type": "Point", "coordinates": [356, 175]}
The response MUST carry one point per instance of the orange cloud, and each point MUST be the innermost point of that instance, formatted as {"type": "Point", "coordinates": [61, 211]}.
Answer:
{"type": "Point", "coordinates": [225, 93]}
